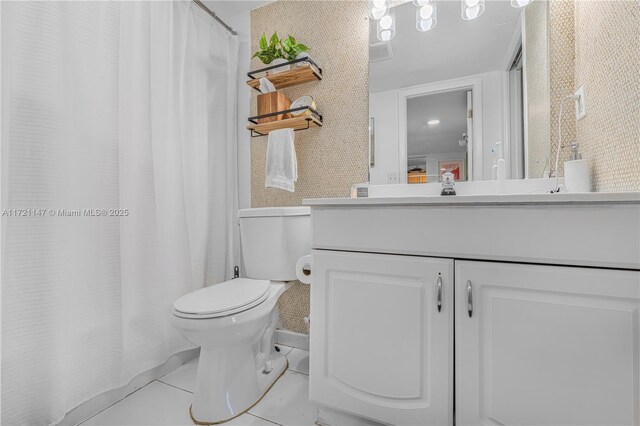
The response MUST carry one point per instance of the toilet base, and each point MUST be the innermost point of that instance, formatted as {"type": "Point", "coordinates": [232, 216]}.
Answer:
{"type": "Point", "coordinates": [206, 413]}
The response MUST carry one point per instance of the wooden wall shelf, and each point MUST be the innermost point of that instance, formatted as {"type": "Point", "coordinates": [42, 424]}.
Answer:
{"type": "Point", "coordinates": [296, 123]}
{"type": "Point", "coordinates": [296, 75]}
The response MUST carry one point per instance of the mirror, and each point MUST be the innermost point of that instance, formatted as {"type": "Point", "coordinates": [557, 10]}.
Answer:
{"type": "Point", "coordinates": [441, 99]}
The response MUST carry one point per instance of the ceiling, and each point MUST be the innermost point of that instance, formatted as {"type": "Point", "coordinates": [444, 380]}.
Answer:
{"type": "Point", "coordinates": [450, 108]}
{"type": "Point", "coordinates": [229, 8]}
{"type": "Point", "coordinates": [454, 48]}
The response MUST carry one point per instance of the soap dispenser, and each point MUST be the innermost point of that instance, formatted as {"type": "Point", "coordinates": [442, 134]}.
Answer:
{"type": "Point", "coordinates": [577, 177]}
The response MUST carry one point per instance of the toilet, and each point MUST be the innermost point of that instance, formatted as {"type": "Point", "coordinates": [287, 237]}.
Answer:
{"type": "Point", "coordinates": [234, 322]}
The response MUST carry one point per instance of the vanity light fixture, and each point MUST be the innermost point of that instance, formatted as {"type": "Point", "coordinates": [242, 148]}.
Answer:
{"type": "Point", "coordinates": [472, 9]}
{"type": "Point", "coordinates": [433, 122]}
{"type": "Point", "coordinates": [378, 9]}
{"type": "Point", "coordinates": [520, 3]}
{"type": "Point", "coordinates": [387, 26]}
{"type": "Point", "coordinates": [426, 15]}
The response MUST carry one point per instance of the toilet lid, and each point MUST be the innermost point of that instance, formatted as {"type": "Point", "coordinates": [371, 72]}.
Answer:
{"type": "Point", "coordinates": [224, 298]}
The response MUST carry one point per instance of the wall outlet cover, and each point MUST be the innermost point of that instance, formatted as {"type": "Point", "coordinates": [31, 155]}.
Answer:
{"type": "Point", "coordinates": [581, 104]}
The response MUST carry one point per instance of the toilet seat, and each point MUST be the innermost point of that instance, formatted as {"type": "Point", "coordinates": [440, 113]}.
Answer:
{"type": "Point", "coordinates": [219, 300]}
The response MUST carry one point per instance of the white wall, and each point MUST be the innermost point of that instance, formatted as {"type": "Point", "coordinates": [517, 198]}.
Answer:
{"type": "Point", "coordinates": [493, 119]}
{"type": "Point", "coordinates": [383, 107]}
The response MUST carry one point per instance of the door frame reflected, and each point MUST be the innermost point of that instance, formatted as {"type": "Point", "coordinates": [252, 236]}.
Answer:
{"type": "Point", "coordinates": [474, 84]}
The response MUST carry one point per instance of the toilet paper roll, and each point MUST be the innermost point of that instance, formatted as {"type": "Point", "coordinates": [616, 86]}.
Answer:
{"type": "Point", "coordinates": [577, 176]}
{"type": "Point", "coordinates": [303, 269]}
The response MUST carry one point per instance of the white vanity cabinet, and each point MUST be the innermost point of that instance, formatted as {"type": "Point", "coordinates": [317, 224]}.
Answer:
{"type": "Point", "coordinates": [546, 345]}
{"type": "Point", "coordinates": [383, 336]}
{"type": "Point", "coordinates": [546, 295]}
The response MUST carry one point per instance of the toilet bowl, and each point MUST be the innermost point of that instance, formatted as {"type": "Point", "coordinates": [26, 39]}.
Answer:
{"type": "Point", "coordinates": [234, 322]}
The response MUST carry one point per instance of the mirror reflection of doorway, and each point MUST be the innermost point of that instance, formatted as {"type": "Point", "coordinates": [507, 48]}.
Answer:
{"type": "Point", "coordinates": [439, 129]}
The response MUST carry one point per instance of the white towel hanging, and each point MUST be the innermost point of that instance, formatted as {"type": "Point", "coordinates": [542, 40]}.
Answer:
{"type": "Point", "coordinates": [282, 165]}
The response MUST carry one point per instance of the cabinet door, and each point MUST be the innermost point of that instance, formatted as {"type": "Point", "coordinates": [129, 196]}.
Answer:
{"type": "Point", "coordinates": [380, 347]}
{"type": "Point", "coordinates": [546, 345]}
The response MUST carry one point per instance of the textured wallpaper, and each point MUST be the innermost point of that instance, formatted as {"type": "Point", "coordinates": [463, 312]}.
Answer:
{"type": "Point", "coordinates": [608, 64]}
{"type": "Point", "coordinates": [335, 156]}
{"type": "Point", "coordinates": [561, 76]}
{"type": "Point", "coordinates": [536, 79]}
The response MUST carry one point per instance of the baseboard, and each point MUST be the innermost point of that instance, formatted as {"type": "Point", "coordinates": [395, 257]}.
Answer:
{"type": "Point", "coordinates": [327, 416]}
{"type": "Point", "coordinates": [95, 405]}
{"type": "Point", "coordinates": [295, 340]}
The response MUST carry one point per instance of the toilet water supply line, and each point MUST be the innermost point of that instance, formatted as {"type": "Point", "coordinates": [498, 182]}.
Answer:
{"type": "Point", "coordinates": [574, 98]}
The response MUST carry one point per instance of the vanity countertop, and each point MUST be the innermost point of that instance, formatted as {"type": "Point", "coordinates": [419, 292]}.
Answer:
{"type": "Point", "coordinates": [478, 200]}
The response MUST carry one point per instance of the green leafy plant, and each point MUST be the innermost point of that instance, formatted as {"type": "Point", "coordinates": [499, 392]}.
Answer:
{"type": "Point", "coordinates": [291, 49]}
{"type": "Point", "coordinates": [275, 48]}
{"type": "Point", "coordinates": [269, 51]}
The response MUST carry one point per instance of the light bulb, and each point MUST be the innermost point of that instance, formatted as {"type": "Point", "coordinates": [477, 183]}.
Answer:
{"type": "Point", "coordinates": [385, 22]}
{"type": "Point", "coordinates": [471, 9]}
{"type": "Point", "coordinates": [426, 11]}
{"type": "Point", "coordinates": [378, 8]}
{"type": "Point", "coordinates": [425, 24]}
{"type": "Point", "coordinates": [427, 17]}
{"type": "Point", "coordinates": [377, 13]}
{"type": "Point", "coordinates": [387, 26]}
{"type": "Point", "coordinates": [520, 3]}
{"type": "Point", "coordinates": [472, 12]}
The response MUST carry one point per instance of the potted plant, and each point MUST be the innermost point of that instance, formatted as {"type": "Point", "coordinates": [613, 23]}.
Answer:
{"type": "Point", "coordinates": [293, 50]}
{"type": "Point", "coordinates": [276, 51]}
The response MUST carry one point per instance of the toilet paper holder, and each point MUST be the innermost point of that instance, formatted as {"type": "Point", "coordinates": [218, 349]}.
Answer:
{"type": "Point", "coordinates": [304, 269]}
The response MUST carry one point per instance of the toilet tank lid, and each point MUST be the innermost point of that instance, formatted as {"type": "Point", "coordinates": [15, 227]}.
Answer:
{"type": "Point", "coordinates": [275, 211]}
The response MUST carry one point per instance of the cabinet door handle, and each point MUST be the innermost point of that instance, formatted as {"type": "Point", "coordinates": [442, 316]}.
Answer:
{"type": "Point", "coordinates": [469, 299]}
{"type": "Point", "coordinates": [439, 300]}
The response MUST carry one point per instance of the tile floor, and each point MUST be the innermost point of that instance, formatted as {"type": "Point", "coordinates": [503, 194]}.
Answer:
{"type": "Point", "coordinates": [166, 401]}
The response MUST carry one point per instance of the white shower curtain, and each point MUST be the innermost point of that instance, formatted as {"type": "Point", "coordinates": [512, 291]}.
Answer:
{"type": "Point", "coordinates": [123, 106]}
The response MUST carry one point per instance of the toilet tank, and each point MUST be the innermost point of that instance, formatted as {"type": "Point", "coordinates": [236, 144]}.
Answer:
{"type": "Point", "coordinates": [273, 238]}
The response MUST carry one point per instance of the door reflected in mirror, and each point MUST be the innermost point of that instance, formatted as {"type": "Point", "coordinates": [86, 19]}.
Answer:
{"type": "Point", "coordinates": [438, 129]}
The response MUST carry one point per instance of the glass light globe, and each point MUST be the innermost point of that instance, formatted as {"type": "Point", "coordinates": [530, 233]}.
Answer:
{"type": "Point", "coordinates": [426, 11]}
{"type": "Point", "coordinates": [377, 13]}
{"type": "Point", "coordinates": [378, 8]}
{"type": "Point", "coordinates": [471, 9]}
{"type": "Point", "coordinates": [472, 12]}
{"type": "Point", "coordinates": [427, 17]}
{"type": "Point", "coordinates": [385, 22]}
{"type": "Point", "coordinates": [425, 24]}
{"type": "Point", "coordinates": [520, 3]}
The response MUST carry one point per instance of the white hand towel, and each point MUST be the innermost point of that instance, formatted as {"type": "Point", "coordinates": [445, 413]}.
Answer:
{"type": "Point", "coordinates": [282, 165]}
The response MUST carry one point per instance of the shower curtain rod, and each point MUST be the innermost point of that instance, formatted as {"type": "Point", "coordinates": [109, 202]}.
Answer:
{"type": "Point", "coordinates": [215, 16]}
